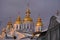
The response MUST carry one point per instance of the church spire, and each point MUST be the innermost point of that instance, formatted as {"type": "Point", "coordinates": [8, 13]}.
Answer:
{"type": "Point", "coordinates": [27, 17]}
{"type": "Point", "coordinates": [27, 10]}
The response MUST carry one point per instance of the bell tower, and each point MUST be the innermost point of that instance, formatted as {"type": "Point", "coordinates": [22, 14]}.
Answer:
{"type": "Point", "coordinates": [9, 25]}
{"type": "Point", "coordinates": [17, 24]}
{"type": "Point", "coordinates": [28, 21]}
{"type": "Point", "coordinates": [38, 25]}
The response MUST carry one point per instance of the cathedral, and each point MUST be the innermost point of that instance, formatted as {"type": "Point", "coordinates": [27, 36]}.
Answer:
{"type": "Point", "coordinates": [22, 28]}
{"type": "Point", "coordinates": [27, 29]}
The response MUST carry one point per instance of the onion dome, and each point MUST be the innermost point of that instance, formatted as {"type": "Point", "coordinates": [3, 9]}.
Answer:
{"type": "Point", "coordinates": [18, 20]}
{"type": "Point", "coordinates": [27, 17]}
{"type": "Point", "coordinates": [9, 24]}
{"type": "Point", "coordinates": [39, 22]}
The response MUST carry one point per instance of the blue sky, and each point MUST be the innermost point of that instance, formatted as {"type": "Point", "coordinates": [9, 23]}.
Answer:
{"type": "Point", "coordinates": [10, 8]}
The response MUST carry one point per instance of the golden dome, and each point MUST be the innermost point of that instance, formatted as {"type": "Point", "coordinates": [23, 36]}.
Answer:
{"type": "Point", "coordinates": [27, 17]}
{"type": "Point", "coordinates": [39, 22]}
{"type": "Point", "coordinates": [18, 20]}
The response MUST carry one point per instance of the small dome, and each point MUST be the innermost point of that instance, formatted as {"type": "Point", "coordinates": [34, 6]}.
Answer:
{"type": "Point", "coordinates": [39, 22]}
{"type": "Point", "coordinates": [18, 20]}
{"type": "Point", "coordinates": [9, 24]}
